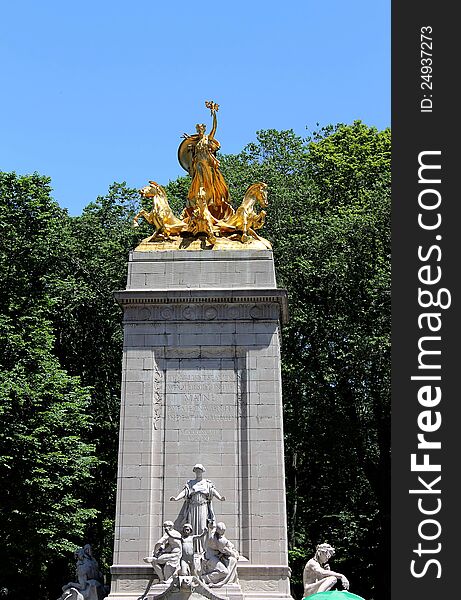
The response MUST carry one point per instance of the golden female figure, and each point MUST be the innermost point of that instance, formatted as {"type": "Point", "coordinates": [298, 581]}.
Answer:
{"type": "Point", "coordinates": [197, 155]}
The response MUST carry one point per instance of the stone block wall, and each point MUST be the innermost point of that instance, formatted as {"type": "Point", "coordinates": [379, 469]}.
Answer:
{"type": "Point", "coordinates": [201, 383]}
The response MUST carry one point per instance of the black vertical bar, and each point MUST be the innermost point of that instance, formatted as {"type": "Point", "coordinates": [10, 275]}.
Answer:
{"type": "Point", "coordinates": [425, 119]}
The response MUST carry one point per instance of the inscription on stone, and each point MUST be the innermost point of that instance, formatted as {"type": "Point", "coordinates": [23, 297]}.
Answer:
{"type": "Point", "coordinates": [200, 398]}
{"type": "Point", "coordinates": [201, 435]}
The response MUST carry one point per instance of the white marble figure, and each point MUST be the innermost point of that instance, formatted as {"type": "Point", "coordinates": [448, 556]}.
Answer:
{"type": "Point", "coordinates": [317, 575]}
{"type": "Point", "coordinates": [166, 557]}
{"type": "Point", "coordinates": [197, 509]}
{"type": "Point", "coordinates": [220, 562]}
{"type": "Point", "coordinates": [90, 581]}
{"type": "Point", "coordinates": [190, 561]}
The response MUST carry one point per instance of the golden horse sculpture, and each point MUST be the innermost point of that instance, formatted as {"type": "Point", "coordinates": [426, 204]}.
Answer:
{"type": "Point", "coordinates": [241, 225]}
{"type": "Point", "coordinates": [246, 219]}
{"type": "Point", "coordinates": [161, 216]}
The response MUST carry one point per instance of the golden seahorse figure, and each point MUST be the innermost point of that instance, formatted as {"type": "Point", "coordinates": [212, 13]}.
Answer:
{"type": "Point", "coordinates": [246, 220]}
{"type": "Point", "coordinates": [161, 216]}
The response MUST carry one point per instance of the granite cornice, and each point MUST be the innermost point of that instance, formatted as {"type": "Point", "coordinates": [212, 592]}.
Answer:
{"type": "Point", "coordinates": [143, 297]}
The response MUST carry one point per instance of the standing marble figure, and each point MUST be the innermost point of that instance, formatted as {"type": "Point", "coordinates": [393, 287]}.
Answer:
{"type": "Point", "coordinates": [197, 509]}
{"type": "Point", "coordinates": [188, 563]}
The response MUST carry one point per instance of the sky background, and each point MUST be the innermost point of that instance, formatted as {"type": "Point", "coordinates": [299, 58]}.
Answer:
{"type": "Point", "coordinates": [101, 91]}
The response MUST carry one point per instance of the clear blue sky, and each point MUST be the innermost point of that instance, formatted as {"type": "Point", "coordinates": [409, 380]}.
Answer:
{"type": "Point", "coordinates": [100, 91]}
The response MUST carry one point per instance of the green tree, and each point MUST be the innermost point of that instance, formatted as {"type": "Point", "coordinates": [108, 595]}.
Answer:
{"type": "Point", "coordinates": [88, 327]}
{"type": "Point", "coordinates": [45, 463]}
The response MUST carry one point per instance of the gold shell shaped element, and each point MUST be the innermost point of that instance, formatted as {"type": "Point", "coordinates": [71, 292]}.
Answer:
{"type": "Point", "coordinates": [184, 152]}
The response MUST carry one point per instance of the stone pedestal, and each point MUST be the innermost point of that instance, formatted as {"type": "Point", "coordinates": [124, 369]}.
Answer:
{"type": "Point", "coordinates": [201, 384]}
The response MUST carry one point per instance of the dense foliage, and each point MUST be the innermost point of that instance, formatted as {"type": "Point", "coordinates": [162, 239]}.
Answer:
{"type": "Point", "coordinates": [329, 223]}
{"type": "Point", "coordinates": [46, 458]}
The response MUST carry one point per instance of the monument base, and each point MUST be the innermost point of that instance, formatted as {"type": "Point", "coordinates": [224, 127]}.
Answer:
{"type": "Point", "coordinates": [191, 588]}
{"type": "Point", "coordinates": [201, 243]}
{"type": "Point", "coordinates": [264, 582]}
{"type": "Point", "coordinates": [254, 582]}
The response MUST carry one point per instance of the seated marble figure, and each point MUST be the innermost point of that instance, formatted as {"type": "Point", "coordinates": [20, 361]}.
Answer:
{"type": "Point", "coordinates": [317, 575]}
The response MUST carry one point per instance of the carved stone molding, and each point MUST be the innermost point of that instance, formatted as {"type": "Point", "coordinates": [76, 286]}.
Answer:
{"type": "Point", "coordinates": [157, 396]}
{"type": "Point", "coordinates": [201, 312]}
{"type": "Point", "coordinates": [203, 305]}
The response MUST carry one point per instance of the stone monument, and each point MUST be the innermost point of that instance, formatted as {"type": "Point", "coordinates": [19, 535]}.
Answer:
{"type": "Point", "coordinates": [201, 386]}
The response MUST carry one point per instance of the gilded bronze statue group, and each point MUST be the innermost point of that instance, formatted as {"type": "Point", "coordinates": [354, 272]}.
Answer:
{"type": "Point", "coordinates": [208, 213]}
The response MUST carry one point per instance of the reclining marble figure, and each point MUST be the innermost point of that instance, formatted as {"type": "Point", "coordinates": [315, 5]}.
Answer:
{"type": "Point", "coordinates": [90, 581]}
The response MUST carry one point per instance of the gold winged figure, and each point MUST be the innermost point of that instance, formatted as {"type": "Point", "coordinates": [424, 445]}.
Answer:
{"type": "Point", "coordinates": [197, 155]}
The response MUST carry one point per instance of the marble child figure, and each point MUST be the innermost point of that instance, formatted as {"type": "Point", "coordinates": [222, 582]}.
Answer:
{"type": "Point", "coordinates": [189, 558]}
